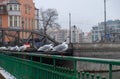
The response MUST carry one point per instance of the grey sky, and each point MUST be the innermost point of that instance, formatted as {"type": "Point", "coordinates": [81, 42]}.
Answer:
{"type": "Point", "coordinates": [85, 13]}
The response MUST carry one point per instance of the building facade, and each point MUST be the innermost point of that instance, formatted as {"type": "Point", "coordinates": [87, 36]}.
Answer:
{"type": "Point", "coordinates": [19, 14]}
{"type": "Point", "coordinates": [76, 35]}
{"type": "Point", "coordinates": [112, 32]}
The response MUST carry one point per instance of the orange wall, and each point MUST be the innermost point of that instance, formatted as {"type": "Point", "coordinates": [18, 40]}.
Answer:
{"type": "Point", "coordinates": [30, 16]}
{"type": "Point", "coordinates": [4, 20]}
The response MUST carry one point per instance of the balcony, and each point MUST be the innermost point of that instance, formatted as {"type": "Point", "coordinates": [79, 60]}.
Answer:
{"type": "Point", "coordinates": [14, 13]}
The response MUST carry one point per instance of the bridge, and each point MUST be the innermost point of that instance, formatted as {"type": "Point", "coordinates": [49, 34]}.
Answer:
{"type": "Point", "coordinates": [25, 66]}
{"type": "Point", "coordinates": [14, 36]}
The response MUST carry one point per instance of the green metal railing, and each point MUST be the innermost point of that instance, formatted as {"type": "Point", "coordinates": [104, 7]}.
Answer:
{"type": "Point", "coordinates": [26, 68]}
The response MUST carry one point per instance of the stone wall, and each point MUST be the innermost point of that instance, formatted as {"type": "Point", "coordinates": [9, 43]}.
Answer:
{"type": "Point", "coordinates": [107, 51]}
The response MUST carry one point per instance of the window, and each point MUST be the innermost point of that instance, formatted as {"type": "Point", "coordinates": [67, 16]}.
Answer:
{"type": "Point", "coordinates": [25, 10]}
{"type": "Point", "coordinates": [15, 21]}
{"type": "Point", "coordinates": [1, 8]}
{"type": "Point", "coordinates": [11, 18]}
{"type": "Point", "coordinates": [15, 7]}
{"type": "Point", "coordinates": [10, 7]}
{"type": "Point", "coordinates": [18, 7]}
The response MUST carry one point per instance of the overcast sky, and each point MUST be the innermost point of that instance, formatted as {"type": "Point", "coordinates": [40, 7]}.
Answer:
{"type": "Point", "coordinates": [85, 13]}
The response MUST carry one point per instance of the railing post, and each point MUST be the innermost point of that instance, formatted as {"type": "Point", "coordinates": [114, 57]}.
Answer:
{"type": "Point", "coordinates": [83, 75]}
{"type": "Point", "coordinates": [75, 68]}
{"type": "Point", "coordinates": [110, 71]}
{"type": "Point", "coordinates": [98, 76]}
{"type": "Point", "coordinates": [31, 58]}
{"type": "Point", "coordinates": [54, 63]}
{"type": "Point", "coordinates": [87, 75]}
{"type": "Point", "coordinates": [104, 77]}
{"type": "Point", "coordinates": [40, 59]}
{"type": "Point", "coordinates": [92, 76]}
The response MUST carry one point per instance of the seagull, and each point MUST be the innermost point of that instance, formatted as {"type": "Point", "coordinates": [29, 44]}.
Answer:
{"type": "Point", "coordinates": [46, 48]}
{"type": "Point", "coordinates": [22, 48]}
{"type": "Point", "coordinates": [3, 48]}
{"type": "Point", "coordinates": [15, 48]}
{"type": "Point", "coordinates": [61, 47]}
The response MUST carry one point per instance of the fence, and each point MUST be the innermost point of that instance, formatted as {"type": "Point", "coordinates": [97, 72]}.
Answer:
{"type": "Point", "coordinates": [22, 66]}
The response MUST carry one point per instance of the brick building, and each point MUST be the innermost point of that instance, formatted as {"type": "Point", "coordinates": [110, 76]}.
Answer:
{"type": "Point", "coordinates": [19, 14]}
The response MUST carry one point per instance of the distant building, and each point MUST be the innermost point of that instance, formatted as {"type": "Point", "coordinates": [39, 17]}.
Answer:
{"type": "Point", "coordinates": [76, 36]}
{"type": "Point", "coordinates": [19, 14]}
{"type": "Point", "coordinates": [95, 34]}
{"type": "Point", "coordinates": [88, 38]}
{"type": "Point", "coordinates": [59, 35]}
{"type": "Point", "coordinates": [112, 31]}
{"type": "Point", "coordinates": [63, 34]}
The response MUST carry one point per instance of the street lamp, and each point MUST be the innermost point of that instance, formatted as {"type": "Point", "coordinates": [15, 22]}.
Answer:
{"type": "Point", "coordinates": [74, 35]}
{"type": "Point", "coordinates": [69, 27]}
{"type": "Point", "coordinates": [105, 19]}
{"type": "Point", "coordinates": [23, 29]}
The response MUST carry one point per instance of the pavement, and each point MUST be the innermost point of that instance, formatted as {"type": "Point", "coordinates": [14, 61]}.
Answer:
{"type": "Point", "coordinates": [1, 77]}
{"type": "Point", "coordinates": [5, 75]}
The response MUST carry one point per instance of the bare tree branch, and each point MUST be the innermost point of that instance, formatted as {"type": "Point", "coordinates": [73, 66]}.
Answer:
{"type": "Point", "coordinates": [48, 19]}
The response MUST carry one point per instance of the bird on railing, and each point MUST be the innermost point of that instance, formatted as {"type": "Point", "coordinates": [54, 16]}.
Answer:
{"type": "Point", "coordinates": [61, 47]}
{"type": "Point", "coordinates": [3, 48]}
{"type": "Point", "coordinates": [15, 48]}
{"type": "Point", "coordinates": [22, 48]}
{"type": "Point", "coordinates": [46, 48]}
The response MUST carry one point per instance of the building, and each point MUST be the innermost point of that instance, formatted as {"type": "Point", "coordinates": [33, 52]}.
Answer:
{"type": "Point", "coordinates": [88, 38]}
{"type": "Point", "coordinates": [95, 34]}
{"type": "Point", "coordinates": [59, 35]}
{"type": "Point", "coordinates": [112, 32]}
{"type": "Point", "coordinates": [63, 34]}
{"type": "Point", "coordinates": [76, 34]}
{"type": "Point", "coordinates": [19, 14]}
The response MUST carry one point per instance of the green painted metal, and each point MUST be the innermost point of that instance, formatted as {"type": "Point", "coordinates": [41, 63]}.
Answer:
{"type": "Point", "coordinates": [29, 69]}
{"type": "Point", "coordinates": [98, 76]}
{"type": "Point", "coordinates": [83, 75]}
{"type": "Point", "coordinates": [92, 76]}
{"type": "Point", "coordinates": [110, 71]}
{"type": "Point", "coordinates": [87, 76]}
{"type": "Point", "coordinates": [104, 77]}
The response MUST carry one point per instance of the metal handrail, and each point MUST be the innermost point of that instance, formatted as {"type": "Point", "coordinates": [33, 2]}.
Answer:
{"type": "Point", "coordinates": [110, 62]}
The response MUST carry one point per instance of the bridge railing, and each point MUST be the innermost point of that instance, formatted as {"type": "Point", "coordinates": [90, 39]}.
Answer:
{"type": "Point", "coordinates": [22, 66]}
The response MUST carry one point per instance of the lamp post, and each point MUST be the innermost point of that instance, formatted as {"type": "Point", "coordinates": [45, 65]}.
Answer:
{"type": "Point", "coordinates": [105, 19]}
{"type": "Point", "coordinates": [74, 34]}
{"type": "Point", "coordinates": [69, 27]}
{"type": "Point", "coordinates": [23, 29]}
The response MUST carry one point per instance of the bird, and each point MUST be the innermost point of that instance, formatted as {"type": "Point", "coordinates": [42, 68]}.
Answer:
{"type": "Point", "coordinates": [46, 48]}
{"type": "Point", "coordinates": [61, 47]}
{"type": "Point", "coordinates": [22, 48]}
{"type": "Point", "coordinates": [3, 48]}
{"type": "Point", "coordinates": [15, 48]}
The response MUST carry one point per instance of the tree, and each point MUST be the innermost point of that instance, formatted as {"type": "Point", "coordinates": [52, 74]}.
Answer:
{"type": "Point", "coordinates": [48, 19]}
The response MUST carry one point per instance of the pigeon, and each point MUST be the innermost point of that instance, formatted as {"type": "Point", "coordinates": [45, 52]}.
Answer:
{"type": "Point", "coordinates": [46, 48]}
